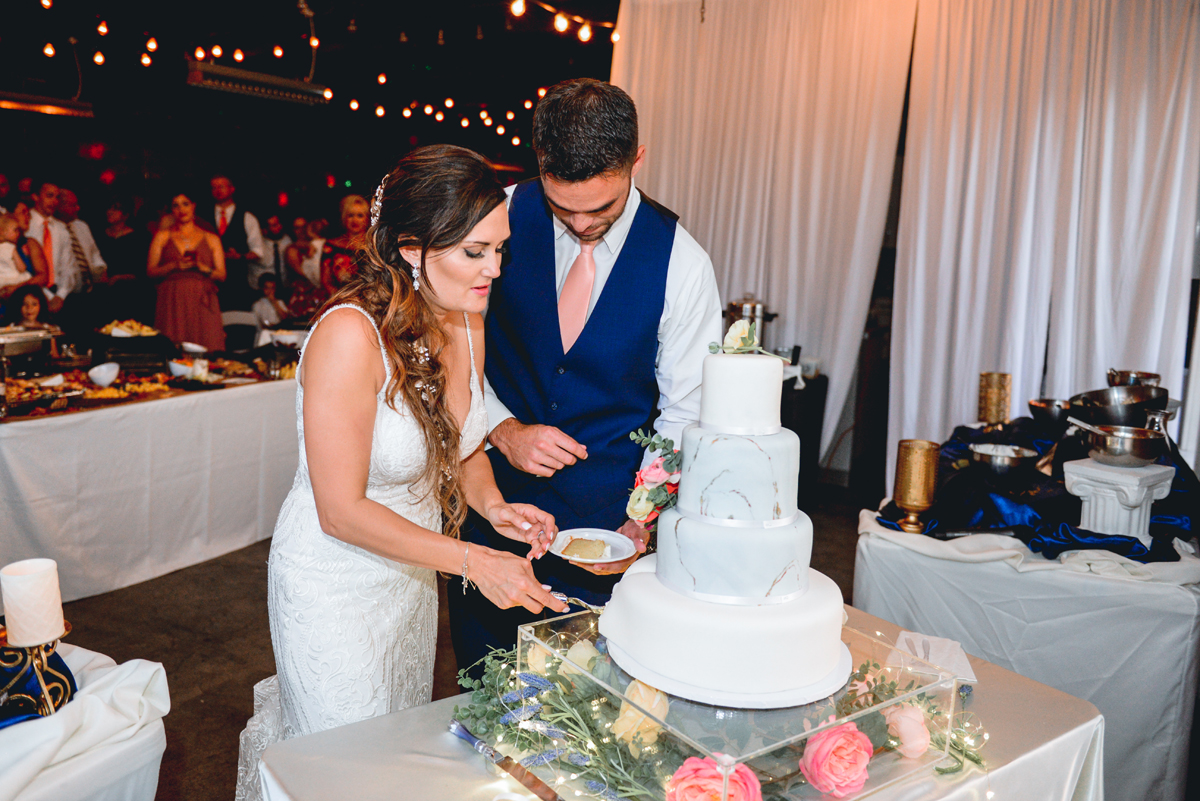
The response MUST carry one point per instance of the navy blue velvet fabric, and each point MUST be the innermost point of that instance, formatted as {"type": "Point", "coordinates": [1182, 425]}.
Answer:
{"type": "Point", "coordinates": [19, 689]}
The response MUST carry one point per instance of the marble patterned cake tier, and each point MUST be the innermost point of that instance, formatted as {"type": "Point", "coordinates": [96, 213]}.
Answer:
{"type": "Point", "coordinates": [739, 477]}
{"type": "Point", "coordinates": [753, 565]}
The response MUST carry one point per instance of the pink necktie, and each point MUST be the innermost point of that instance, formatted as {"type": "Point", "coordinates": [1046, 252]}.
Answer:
{"type": "Point", "coordinates": [576, 293]}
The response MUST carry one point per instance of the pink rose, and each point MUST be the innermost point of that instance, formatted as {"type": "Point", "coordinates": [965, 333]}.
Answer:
{"type": "Point", "coordinates": [835, 761]}
{"type": "Point", "coordinates": [701, 780]}
{"type": "Point", "coordinates": [907, 724]}
{"type": "Point", "coordinates": [653, 475]}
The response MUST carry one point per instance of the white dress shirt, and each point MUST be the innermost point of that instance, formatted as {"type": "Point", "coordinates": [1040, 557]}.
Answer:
{"type": "Point", "coordinates": [691, 316]}
{"type": "Point", "coordinates": [83, 233]}
{"type": "Point", "coordinates": [62, 257]}
{"type": "Point", "coordinates": [267, 265]}
{"type": "Point", "coordinates": [254, 237]}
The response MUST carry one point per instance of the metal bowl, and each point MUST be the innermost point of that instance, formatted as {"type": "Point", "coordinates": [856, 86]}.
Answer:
{"type": "Point", "coordinates": [1118, 406]}
{"type": "Point", "coordinates": [1003, 465]}
{"type": "Point", "coordinates": [1132, 378]}
{"type": "Point", "coordinates": [1051, 413]}
{"type": "Point", "coordinates": [1125, 446]}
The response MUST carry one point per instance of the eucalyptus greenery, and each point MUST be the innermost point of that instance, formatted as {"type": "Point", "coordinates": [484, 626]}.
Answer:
{"type": "Point", "coordinates": [747, 344]}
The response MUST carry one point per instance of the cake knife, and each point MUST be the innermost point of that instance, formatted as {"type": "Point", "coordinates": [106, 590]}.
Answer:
{"type": "Point", "coordinates": [507, 764]}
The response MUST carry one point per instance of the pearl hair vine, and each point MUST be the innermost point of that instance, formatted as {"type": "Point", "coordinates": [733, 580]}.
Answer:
{"type": "Point", "coordinates": [377, 201]}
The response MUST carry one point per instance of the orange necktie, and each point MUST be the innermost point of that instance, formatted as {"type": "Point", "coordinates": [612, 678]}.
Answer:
{"type": "Point", "coordinates": [576, 293]}
{"type": "Point", "coordinates": [48, 252]}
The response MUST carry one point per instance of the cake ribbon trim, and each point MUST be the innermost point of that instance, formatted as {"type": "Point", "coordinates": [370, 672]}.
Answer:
{"type": "Point", "coordinates": [740, 431]}
{"type": "Point", "coordinates": [728, 523]}
{"type": "Point", "coordinates": [732, 600]}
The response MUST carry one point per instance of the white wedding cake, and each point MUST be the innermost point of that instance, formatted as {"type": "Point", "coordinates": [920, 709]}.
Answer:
{"type": "Point", "coordinates": [728, 611]}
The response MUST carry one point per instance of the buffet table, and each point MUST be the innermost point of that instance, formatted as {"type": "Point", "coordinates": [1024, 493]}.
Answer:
{"type": "Point", "coordinates": [124, 494]}
{"type": "Point", "coordinates": [1044, 744]}
{"type": "Point", "coordinates": [1121, 636]}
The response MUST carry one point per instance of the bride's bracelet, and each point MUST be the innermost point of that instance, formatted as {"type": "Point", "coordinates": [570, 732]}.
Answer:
{"type": "Point", "coordinates": [466, 582]}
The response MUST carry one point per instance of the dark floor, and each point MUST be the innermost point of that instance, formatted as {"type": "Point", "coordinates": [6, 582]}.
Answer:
{"type": "Point", "coordinates": [207, 625]}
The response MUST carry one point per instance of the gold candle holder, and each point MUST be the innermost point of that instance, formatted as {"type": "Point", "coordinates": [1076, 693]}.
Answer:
{"type": "Point", "coordinates": [995, 397]}
{"type": "Point", "coordinates": [35, 659]}
{"type": "Point", "coordinates": [916, 480]}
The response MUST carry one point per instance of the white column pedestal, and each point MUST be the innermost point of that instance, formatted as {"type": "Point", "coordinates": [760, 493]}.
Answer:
{"type": "Point", "coordinates": [1117, 500]}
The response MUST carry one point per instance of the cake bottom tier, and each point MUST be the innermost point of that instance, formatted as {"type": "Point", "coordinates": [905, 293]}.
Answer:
{"type": "Point", "coordinates": [756, 657]}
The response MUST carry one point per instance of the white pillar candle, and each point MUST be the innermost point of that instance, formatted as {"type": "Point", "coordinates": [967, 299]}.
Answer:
{"type": "Point", "coordinates": [32, 602]}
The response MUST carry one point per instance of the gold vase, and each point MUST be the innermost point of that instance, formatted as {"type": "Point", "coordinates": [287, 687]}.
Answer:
{"type": "Point", "coordinates": [995, 397]}
{"type": "Point", "coordinates": [916, 480]}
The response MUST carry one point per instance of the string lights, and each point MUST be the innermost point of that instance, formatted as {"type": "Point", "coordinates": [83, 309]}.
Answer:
{"type": "Point", "coordinates": [151, 44]}
{"type": "Point", "coordinates": [98, 58]}
{"type": "Point", "coordinates": [102, 28]}
{"type": "Point", "coordinates": [238, 56]}
{"type": "Point", "coordinates": [48, 50]}
{"type": "Point", "coordinates": [146, 60]}
{"type": "Point", "coordinates": [216, 51]}
{"type": "Point", "coordinates": [562, 21]}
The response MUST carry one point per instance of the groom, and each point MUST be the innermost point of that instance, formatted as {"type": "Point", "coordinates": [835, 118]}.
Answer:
{"type": "Point", "coordinates": [598, 326]}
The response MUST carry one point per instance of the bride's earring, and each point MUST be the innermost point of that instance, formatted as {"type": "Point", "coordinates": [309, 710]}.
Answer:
{"type": "Point", "coordinates": [416, 276]}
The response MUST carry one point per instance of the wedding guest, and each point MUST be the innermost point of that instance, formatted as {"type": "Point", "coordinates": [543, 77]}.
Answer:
{"type": "Point", "coordinates": [62, 276]}
{"type": "Point", "coordinates": [188, 263]}
{"type": "Point", "coordinates": [5, 191]}
{"type": "Point", "coordinates": [28, 250]}
{"type": "Point", "coordinates": [269, 309]}
{"type": "Point", "coordinates": [87, 258]}
{"type": "Point", "coordinates": [13, 271]}
{"type": "Point", "coordinates": [125, 248]}
{"type": "Point", "coordinates": [304, 260]}
{"type": "Point", "coordinates": [28, 308]}
{"type": "Point", "coordinates": [241, 238]}
{"type": "Point", "coordinates": [340, 255]}
{"type": "Point", "coordinates": [274, 262]}
{"type": "Point", "coordinates": [620, 345]}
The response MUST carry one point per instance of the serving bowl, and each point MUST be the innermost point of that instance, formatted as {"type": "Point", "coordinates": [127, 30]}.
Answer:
{"type": "Point", "coordinates": [1126, 446]}
{"type": "Point", "coordinates": [1132, 378]}
{"type": "Point", "coordinates": [1003, 461]}
{"type": "Point", "coordinates": [1118, 406]}
{"type": "Point", "coordinates": [179, 369]}
{"type": "Point", "coordinates": [1051, 412]}
{"type": "Point", "coordinates": [104, 374]}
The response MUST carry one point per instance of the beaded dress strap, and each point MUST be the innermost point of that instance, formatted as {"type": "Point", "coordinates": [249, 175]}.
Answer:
{"type": "Point", "coordinates": [387, 368]}
{"type": "Point", "coordinates": [471, 348]}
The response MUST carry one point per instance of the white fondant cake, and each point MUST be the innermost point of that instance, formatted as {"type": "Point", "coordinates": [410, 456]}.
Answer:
{"type": "Point", "coordinates": [728, 611]}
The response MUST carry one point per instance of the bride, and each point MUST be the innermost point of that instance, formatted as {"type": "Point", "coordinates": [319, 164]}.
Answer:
{"type": "Point", "coordinates": [391, 424]}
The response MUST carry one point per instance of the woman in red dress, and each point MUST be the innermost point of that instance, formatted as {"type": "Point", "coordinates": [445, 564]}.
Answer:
{"type": "Point", "coordinates": [187, 261]}
{"type": "Point", "coordinates": [339, 262]}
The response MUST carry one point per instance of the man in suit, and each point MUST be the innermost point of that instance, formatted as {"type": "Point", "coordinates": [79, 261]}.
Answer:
{"type": "Point", "coordinates": [49, 232]}
{"type": "Point", "coordinates": [242, 237]}
{"type": "Point", "coordinates": [598, 326]}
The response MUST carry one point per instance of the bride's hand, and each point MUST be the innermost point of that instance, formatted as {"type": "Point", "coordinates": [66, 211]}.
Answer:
{"type": "Point", "coordinates": [507, 580]}
{"type": "Point", "coordinates": [524, 523]}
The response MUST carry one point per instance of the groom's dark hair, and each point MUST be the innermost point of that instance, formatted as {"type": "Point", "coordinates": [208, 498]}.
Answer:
{"type": "Point", "coordinates": [583, 128]}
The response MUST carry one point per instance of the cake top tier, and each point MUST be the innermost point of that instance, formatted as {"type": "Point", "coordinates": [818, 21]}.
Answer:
{"type": "Point", "coordinates": [741, 393]}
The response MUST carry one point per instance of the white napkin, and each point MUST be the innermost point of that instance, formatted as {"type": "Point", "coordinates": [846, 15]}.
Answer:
{"type": "Point", "coordinates": [946, 654]}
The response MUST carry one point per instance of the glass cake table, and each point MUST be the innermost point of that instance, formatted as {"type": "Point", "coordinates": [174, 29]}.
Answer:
{"type": "Point", "coordinates": [587, 728]}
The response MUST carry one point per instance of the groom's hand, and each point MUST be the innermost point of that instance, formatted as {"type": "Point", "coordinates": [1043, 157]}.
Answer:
{"type": "Point", "coordinates": [634, 531]}
{"type": "Point", "coordinates": [541, 450]}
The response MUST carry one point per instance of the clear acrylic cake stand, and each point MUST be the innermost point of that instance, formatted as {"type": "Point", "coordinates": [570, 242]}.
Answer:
{"type": "Point", "coordinates": [769, 741]}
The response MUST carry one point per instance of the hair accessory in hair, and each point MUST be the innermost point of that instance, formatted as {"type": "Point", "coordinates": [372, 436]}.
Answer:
{"type": "Point", "coordinates": [377, 202]}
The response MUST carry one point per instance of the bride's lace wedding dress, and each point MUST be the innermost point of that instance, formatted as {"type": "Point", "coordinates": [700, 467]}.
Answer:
{"type": "Point", "coordinates": [354, 633]}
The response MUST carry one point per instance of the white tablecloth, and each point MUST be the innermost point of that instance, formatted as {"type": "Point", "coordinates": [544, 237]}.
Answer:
{"type": "Point", "coordinates": [105, 745]}
{"type": "Point", "coordinates": [128, 493]}
{"type": "Point", "coordinates": [1128, 645]}
{"type": "Point", "coordinates": [1044, 745]}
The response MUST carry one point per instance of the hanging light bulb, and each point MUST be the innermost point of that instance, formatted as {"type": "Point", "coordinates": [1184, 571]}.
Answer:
{"type": "Point", "coordinates": [542, 92]}
{"type": "Point", "coordinates": [314, 42]}
{"type": "Point", "coordinates": [439, 116]}
{"type": "Point", "coordinates": [483, 115]}
{"type": "Point", "coordinates": [278, 51]}
{"type": "Point", "coordinates": [407, 111]}
{"type": "Point", "coordinates": [528, 104]}
{"type": "Point", "coordinates": [146, 62]}
{"type": "Point", "coordinates": [449, 102]}
{"type": "Point", "coordinates": [217, 52]}
{"type": "Point", "coordinates": [48, 50]}
{"type": "Point", "coordinates": [47, 3]}
{"type": "Point", "coordinates": [98, 58]}
{"type": "Point", "coordinates": [428, 110]}
{"type": "Point", "coordinates": [238, 55]}
{"type": "Point", "coordinates": [487, 121]}
{"type": "Point", "coordinates": [354, 105]}
{"type": "Point", "coordinates": [464, 122]}
{"type": "Point", "coordinates": [585, 32]}
{"type": "Point", "coordinates": [517, 8]}
{"type": "Point", "coordinates": [560, 22]}
{"type": "Point", "coordinates": [616, 37]}
{"type": "Point", "coordinates": [328, 93]}
{"type": "Point", "coordinates": [151, 44]}
{"type": "Point", "coordinates": [500, 130]}
{"type": "Point", "coordinates": [508, 115]}
{"type": "Point", "coordinates": [102, 28]}
{"type": "Point", "coordinates": [199, 54]}
{"type": "Point", "coordinates": [382, 78]}
{"type": "Point", "coordinates": [516, 140]}
{"type": "Point", "coordinates": [379, 112]}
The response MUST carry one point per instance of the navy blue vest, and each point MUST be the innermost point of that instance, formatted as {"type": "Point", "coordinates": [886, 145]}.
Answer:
{"type": "Point", "coordinates": [605, 387]}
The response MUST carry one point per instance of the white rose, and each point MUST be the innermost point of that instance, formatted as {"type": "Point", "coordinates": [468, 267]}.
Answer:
{"type": "Point", "coordinates": [640, 506]}
{"type": "Point", "coordinates": [631, 721]}
{"type": "Point", "coordinates": [737, 332]}
{"type": "Point", "coordinates": [535, 659]}
{"type": "Point", "coordinates": [581, 653]}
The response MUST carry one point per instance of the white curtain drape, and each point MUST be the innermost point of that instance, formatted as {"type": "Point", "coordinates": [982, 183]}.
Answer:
{"type": "Point", "coordinates": [1049, 194]}
{"type": "Point", "coordinates": [771, 128]}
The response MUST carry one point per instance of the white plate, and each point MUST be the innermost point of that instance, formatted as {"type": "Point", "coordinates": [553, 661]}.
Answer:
{"type": "Point", "coordinates": [234, 380]}
{"type": "Point", "coordinates": [617, 546]}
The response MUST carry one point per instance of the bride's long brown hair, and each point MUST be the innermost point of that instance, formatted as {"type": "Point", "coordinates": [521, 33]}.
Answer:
{"type": "Point", "coordinates": [430, 201]}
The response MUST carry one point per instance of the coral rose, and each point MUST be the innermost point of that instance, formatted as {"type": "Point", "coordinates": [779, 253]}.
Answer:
{"type": "Point", "coordinates": [640, 506]}
{"type": "Point", "coordinates": [653, 475]}
{"type": "Point", "coordinates": [907, 724]}
{"type": "Point", "coordinates": [631, 721]}
{"type": "Point", "coordinates": [835, 761]}
{"type": "Point", "coordinates": [701, 780]}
